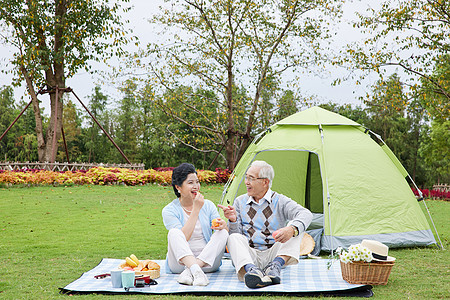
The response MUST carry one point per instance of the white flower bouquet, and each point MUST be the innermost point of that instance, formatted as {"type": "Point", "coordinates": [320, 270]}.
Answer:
{"type": "Point", "coordinates": [355, 252]}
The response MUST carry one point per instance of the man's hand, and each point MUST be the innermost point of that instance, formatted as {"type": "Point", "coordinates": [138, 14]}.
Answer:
{"type": "Point", "coordinates": [284, 234]}
{"type": "Point", "coordinates": [229, 212]}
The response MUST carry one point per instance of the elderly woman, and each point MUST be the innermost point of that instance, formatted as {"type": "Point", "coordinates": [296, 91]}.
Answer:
{"type": "Point", "coordinates": [193, 248]}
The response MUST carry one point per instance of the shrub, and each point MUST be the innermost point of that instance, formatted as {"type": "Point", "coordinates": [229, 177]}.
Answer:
{"type": "Point", "coordinates": [434, 193]}
{"type": "Point", "coordinates": [102, 176]}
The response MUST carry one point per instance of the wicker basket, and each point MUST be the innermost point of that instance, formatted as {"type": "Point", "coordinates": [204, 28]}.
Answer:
{"type": "Point", "coordinates": [374, 273]}
{"type": "Point", "coordinates": [152, 273]}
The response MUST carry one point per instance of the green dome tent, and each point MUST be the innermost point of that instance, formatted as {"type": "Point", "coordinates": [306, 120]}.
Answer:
{"type": "Point", "coordinates": [343, 173]}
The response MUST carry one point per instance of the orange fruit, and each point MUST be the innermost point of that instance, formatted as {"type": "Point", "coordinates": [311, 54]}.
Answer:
{"type": "Point", "coordinates": [215, 222]}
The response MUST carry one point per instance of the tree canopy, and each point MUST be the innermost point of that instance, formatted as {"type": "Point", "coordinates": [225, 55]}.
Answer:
{"type": "Point", "coordinates": [218, 76]}
{"type": "Point", "coordinates": [222, 46]}
{"type": "Point", "coordinates": [413, 37]}
{"type": "Point", "coordinates": [54, 40]}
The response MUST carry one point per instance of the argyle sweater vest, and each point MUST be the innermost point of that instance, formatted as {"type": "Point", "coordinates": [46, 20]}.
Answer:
{"type": "Point", "coordinates": [259, 222]}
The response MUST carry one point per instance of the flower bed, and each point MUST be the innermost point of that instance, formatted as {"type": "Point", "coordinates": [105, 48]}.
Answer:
{"type": "Point", "coordinates": [102, 176]}
{"type": "Point", "coordinates": [434, 194]}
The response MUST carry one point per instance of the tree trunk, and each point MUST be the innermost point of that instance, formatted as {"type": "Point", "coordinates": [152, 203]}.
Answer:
{"type": "Point", "coordinates": [56, 81]}
{"type": "Point", "coordinates": [37, 115]}
{"type": "Point", "coordinates": [231, 133]}
{"type": "Point", "coordinates": [245, 140]}
{"type": "Point", "coordinates": [51, 140]}
{"type": "Point", "coordinates": [229, 152]}
{"type": "Point", "coordinates": [243, 147]}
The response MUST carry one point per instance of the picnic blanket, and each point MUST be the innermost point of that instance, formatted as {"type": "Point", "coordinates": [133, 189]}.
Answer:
{"type": "Point", "coordinates": [308, 276]}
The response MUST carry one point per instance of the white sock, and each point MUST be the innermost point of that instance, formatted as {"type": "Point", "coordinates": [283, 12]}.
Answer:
{"type": "Point", "coordinates": [194, 268]}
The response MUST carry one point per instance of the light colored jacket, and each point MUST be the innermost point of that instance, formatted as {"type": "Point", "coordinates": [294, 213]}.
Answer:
{"type": "Point", "coordinates": [173, 216]}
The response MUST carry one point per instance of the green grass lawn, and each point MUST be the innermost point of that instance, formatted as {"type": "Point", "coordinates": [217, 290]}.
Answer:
{"type": "Point", "coordinates": [49, 236]}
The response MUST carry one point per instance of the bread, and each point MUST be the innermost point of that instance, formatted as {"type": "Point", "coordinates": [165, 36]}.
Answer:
{"type": "Point", "coordinates": [151, 265]}
{"type": "Point", "coordinates": [151, 269]}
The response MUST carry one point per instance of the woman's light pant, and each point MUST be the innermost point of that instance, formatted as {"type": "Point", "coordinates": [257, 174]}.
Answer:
{"type": "Point", "coordinates": [178, 247]}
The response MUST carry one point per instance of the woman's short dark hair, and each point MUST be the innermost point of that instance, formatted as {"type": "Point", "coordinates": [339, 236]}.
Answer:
{"type": "Point", "coordinates": [179, 175]}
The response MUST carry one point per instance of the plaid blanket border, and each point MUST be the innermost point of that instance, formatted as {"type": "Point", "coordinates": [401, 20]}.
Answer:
{"type": "Point", "coordinates": [308, 276]}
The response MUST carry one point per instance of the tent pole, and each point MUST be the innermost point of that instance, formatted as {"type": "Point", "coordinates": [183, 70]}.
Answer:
{"type": "Point", "coordinates": [328, 192]}
{"type": "Point", "coordinates": [429, 215]}
{"type": "Point", "coordinates": [225, 189]}
{"type": "Point", "coordinates": [329, 217]}
{"type": "Point", "coordinates": [432, 222]}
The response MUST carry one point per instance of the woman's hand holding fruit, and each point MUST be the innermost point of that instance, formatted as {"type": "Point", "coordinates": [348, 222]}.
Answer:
{"type": "Point", "coordinates": [218, 224]}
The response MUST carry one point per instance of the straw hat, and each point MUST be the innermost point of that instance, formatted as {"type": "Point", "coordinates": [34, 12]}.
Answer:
{"type": "Point", "coordinates": [307, 244]}
{"type": "Point", "coordinates": [379, 250]}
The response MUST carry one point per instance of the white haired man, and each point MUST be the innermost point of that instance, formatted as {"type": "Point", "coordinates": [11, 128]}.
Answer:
{"type": "Point", "coordinates": [265, 229]}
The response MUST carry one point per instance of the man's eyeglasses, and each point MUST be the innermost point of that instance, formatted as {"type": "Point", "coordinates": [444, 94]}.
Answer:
{"type": "Point", "coordinates": [251, 179]}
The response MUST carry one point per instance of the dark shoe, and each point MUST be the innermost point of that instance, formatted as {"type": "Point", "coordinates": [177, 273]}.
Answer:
{"type": "Point", "coordinates": [273, 270]}
{"type": "Point", "coordinates": [255, 278]}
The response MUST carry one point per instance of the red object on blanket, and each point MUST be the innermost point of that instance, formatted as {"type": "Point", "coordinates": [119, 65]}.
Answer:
{"type": "Point", "coordinates": [142, 277]}
{"type": "Point", "coordinates": [146, 278]}
{"type": "Point", "coordinates": [102, 276]}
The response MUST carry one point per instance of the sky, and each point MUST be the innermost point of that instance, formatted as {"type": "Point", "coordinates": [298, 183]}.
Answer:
{"type": "Point", "coordinates": [83, 83]}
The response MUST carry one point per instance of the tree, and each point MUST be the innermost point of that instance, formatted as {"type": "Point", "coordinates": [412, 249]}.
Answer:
{"type": "Point", "coordinates": [264, 116]}
{"type": "Point", "coordinates": [151, 136]}
{"type": "Point", "coordinates": [386, 106]}
{"type": "Point", "coordinates": [436, 151]}
{"type": "Point", "coordinates": [129, 121]}
{"type": "Point", "coordinates": [20, 141]}
{"type": "Point", "coordinates": [432, 99]}
{"type": "Point", "coordinates": [287, 105]}
{"type": "Point", "coordinates": [96, 143]}
{"type": "Point", "coordinates": [7, 115]}
{"type": "Point", "coordinates": [55, 39]}
{"type": "Point", "coordinates": [72, 133]}
{"type": "Point", "coordinates": [222, 46]}
{"type": "Point", "coordinates": [185, 137]}
{"type": "Point", "coordinates": [411, 35]}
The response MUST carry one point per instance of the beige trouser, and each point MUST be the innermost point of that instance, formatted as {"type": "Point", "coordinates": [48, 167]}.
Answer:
{"type": "Point", "coordinates": [212, 254]}
{"type": "Point", "coordinates": [242, 254]}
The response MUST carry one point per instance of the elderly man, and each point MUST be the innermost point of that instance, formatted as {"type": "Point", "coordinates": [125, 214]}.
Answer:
{"type": "Point", "coordinates": [265, 228]}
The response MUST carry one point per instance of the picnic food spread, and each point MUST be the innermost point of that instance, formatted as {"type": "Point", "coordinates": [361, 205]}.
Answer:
{"type": "Point", "coordinates": [144, 267]}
